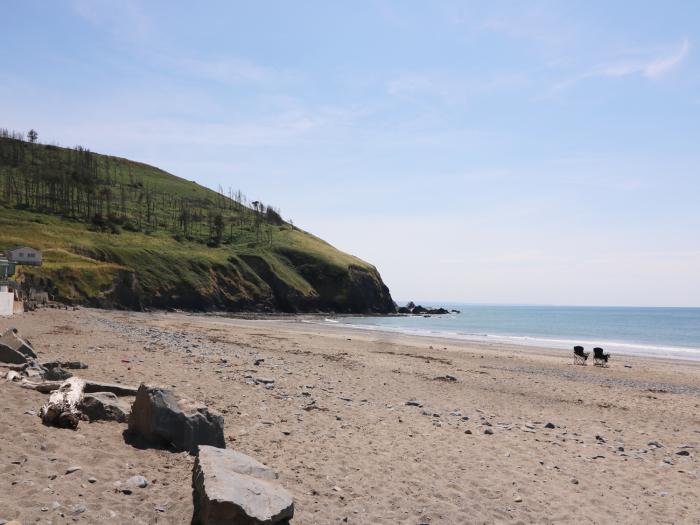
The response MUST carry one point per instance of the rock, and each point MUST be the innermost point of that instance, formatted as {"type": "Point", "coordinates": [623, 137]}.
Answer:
{"type": "Point", "coordinates": [161, 419]}
{"type": "Point", "coordinates": [655, 444]}
{"type": "Point", "coordinates": [574, 481]}
{"type": "Point", "coordinates": [264, 380]}
{"type": "Point", "coordinates": [230, 487]}
{"type": "Point", "coordinates": [12, 340]}
{"type": "Point", "coordinates": [104, 406]}
{"type": "Point", "coordinates": [137, 482]}
{"type": "Point", "coordinates": [56, 373]}
{"type": "Point", "coordinates": [467, 431]}
{"type": "Point", "coordinates": [92, 480]}
{"type": "Point", "coordinates": [518, 499]}
{"type": "Point", "coordinates": [414, 403]}
{"type": "Point", "coordinates": [550, 425]}
{"type": "Point", "coordinates": [70, 470]}
{"type": "Point", "coordinates": [488, 431]}
{"type": "Point", "coordinates": [13, 376]}
{"type": "Point", "coordinates": [8, 355]}
{"type": "Point", "coordinates": [682, 453]}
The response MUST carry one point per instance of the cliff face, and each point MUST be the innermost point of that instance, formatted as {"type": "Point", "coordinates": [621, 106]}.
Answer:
{"type": "Point", "coordinates": [246, 283]}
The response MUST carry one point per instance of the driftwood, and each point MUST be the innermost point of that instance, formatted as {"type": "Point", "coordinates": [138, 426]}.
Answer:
{"type": "Point", "coordinates": [46, 387]}
{"type": "Point", "coordinates": [62, 408]}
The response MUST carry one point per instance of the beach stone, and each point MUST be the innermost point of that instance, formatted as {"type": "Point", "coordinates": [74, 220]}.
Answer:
{"type": "Point", "coordinates": [159, 418]}
{"type": "Point", "coordinates": [137, 481]}
{"type": "Point", "coordinates": [488, 431]}
{"type": "Point", "coordinates": [12, 340]}
{"type": "Point", "coordinates": [550, 425]}
{"type": "Point", "coordinates": [414, 403]}
{"type": "Point", "coordinates": [230, 487]}
{"type": "Point", "coordinates": [682, 453]}
{"type": "Point", "coordinates": [104, 406]}
{"type": "Point", "coordinates": [70, 470]}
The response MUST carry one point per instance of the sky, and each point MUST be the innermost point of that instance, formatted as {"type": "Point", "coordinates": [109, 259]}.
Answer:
{"type": "Point", "coordinates": [485, 152]}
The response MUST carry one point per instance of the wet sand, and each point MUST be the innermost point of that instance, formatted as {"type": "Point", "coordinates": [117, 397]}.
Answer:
{"type": "Point", "coordinates": [337, 427]}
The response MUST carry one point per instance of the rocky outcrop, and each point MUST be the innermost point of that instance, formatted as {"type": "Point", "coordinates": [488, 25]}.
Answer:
{"type": "Point", "coordinates": [412, 308]}
{"type": "Point", "coordinates": [160, 419]}
{"type": "Point", "coordinates": [229, 487]}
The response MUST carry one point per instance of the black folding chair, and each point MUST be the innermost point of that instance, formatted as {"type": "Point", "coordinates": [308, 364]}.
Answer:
{"type": "Point", "coordinates": [580, 356]}
{"type": "Point", "coordinates": [600, 357]}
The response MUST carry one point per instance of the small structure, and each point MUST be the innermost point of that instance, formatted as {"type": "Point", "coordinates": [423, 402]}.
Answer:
{"type": "Point", "coordinates": [7, 301]}
{"type": "Point", "coordinates": [7, 269]}
{"type": "Point", "coordinates": [24, 255]}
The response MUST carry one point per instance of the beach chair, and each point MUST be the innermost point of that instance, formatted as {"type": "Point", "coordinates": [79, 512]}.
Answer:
{"type": "Point", "coordinates": [600, 358]}
{"type": "Point", "coordinates": [580, 356]}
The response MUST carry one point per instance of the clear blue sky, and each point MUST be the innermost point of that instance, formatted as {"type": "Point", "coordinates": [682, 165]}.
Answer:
{"type": "Point", "coordinates": [520, 152]}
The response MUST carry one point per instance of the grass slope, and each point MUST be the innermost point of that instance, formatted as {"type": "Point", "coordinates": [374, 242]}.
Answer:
{"type": "Point", "coordinates": [288, 269]}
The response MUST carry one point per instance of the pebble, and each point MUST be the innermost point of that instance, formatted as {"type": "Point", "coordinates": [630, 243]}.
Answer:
{"type": "Point", "coordinates": [488, 431]}
{"type": "Point", "coordinates": [70, 470]}
{"type": "Point", "coordinates": [137, 481]}
{"type": "Point", "coordinates": [550, 425]}
{"type": "Point", "coordinates": [682, 453]}
{"type": "Point", "coordinates": [517, 499]}
{"type": "Point", "coordinates": [414, 403]}
{"type": "Point", "coordinates": [468, 431]}
{"type": "Point", "coordinates": [92, 480]}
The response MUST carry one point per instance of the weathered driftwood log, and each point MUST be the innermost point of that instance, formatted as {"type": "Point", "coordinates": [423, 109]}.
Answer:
{"type": "Point", "coordinates": [62, 408]}
{"type": "Point", "coordinates": [46, 387]}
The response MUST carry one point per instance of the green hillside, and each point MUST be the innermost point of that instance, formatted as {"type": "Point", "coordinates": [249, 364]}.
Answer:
{"type": "Point", "coordinates": [118, 233]}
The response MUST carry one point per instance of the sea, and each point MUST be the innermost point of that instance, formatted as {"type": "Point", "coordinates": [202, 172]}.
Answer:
{"type": "Point", "coordinates": [652, 332]}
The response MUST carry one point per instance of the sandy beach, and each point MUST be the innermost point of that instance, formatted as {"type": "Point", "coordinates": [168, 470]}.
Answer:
{"type": "Point", "coordinates": [473, 446]}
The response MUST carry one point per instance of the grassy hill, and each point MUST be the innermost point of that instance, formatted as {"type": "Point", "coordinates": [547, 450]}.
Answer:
{"type": "Point", "coordinates": [118, 233]}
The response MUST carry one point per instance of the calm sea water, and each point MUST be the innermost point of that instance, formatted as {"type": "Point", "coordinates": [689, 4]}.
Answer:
{"type": "Point", "coordinates": [660, 332]}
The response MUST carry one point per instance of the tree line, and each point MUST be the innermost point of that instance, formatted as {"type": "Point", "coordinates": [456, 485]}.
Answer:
{"type": "Point", "coordinates": [113, 195]}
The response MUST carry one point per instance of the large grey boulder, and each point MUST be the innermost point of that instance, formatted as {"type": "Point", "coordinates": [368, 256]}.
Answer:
{"type": "Point", "coordinates": [161, 419]}
{"type": "Point", "coordinates": [12, 340]}
{"type": "Point", "coordinates": [230, 488]}
{"type": "Point", "coordinates": [104, 406]}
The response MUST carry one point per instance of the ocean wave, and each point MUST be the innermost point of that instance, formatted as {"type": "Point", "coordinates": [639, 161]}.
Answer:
{"type": "Point", "coordinates": [565, 343]}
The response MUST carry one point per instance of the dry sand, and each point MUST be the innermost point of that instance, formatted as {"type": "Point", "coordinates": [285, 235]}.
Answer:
{"type": "Point", "coordinates": [337, 428]}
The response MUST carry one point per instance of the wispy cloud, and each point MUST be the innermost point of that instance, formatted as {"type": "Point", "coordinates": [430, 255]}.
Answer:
{"type": "Point", "coordinates": [650, 67]}
{"type": "Point", "coordinates": [234, 71]}
{"type": "Point", "coordinates": [124, 19]}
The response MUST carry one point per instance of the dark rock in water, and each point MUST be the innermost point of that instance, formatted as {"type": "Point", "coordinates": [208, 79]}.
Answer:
{"type": "Point", "coordinates": [438, 311]}
{"type": "Point", "coordinates": [159, 418]}
{"type": "Point", "coordinates": [404, 310]}
{"type": "Point", "coordinates": [104, 406]}
{"type": "Point", "coordinates": [410, 305]}
{"type": "Point", "coordinates": [417, 310]}
{"type": "Point", "coordinates": [230, 487]}
{"type": "Point", "coordinates": [11, 339]}
{"type": "Point", "coordinates": [455, 311]}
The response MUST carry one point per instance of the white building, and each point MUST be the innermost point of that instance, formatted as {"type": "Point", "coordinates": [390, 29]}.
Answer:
{"type": "Point", "coordinates": [24, 255]}
{"type": "Point", "coordinates": [7, 302]}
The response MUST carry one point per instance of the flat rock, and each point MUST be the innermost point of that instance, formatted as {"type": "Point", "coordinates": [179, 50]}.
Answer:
{"type": "Point", "coordinates": [229, 487]}
{"type": "Point", "coordinates": [159, 418]}
{"type": "Point", "coordinates": [104, 406]}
